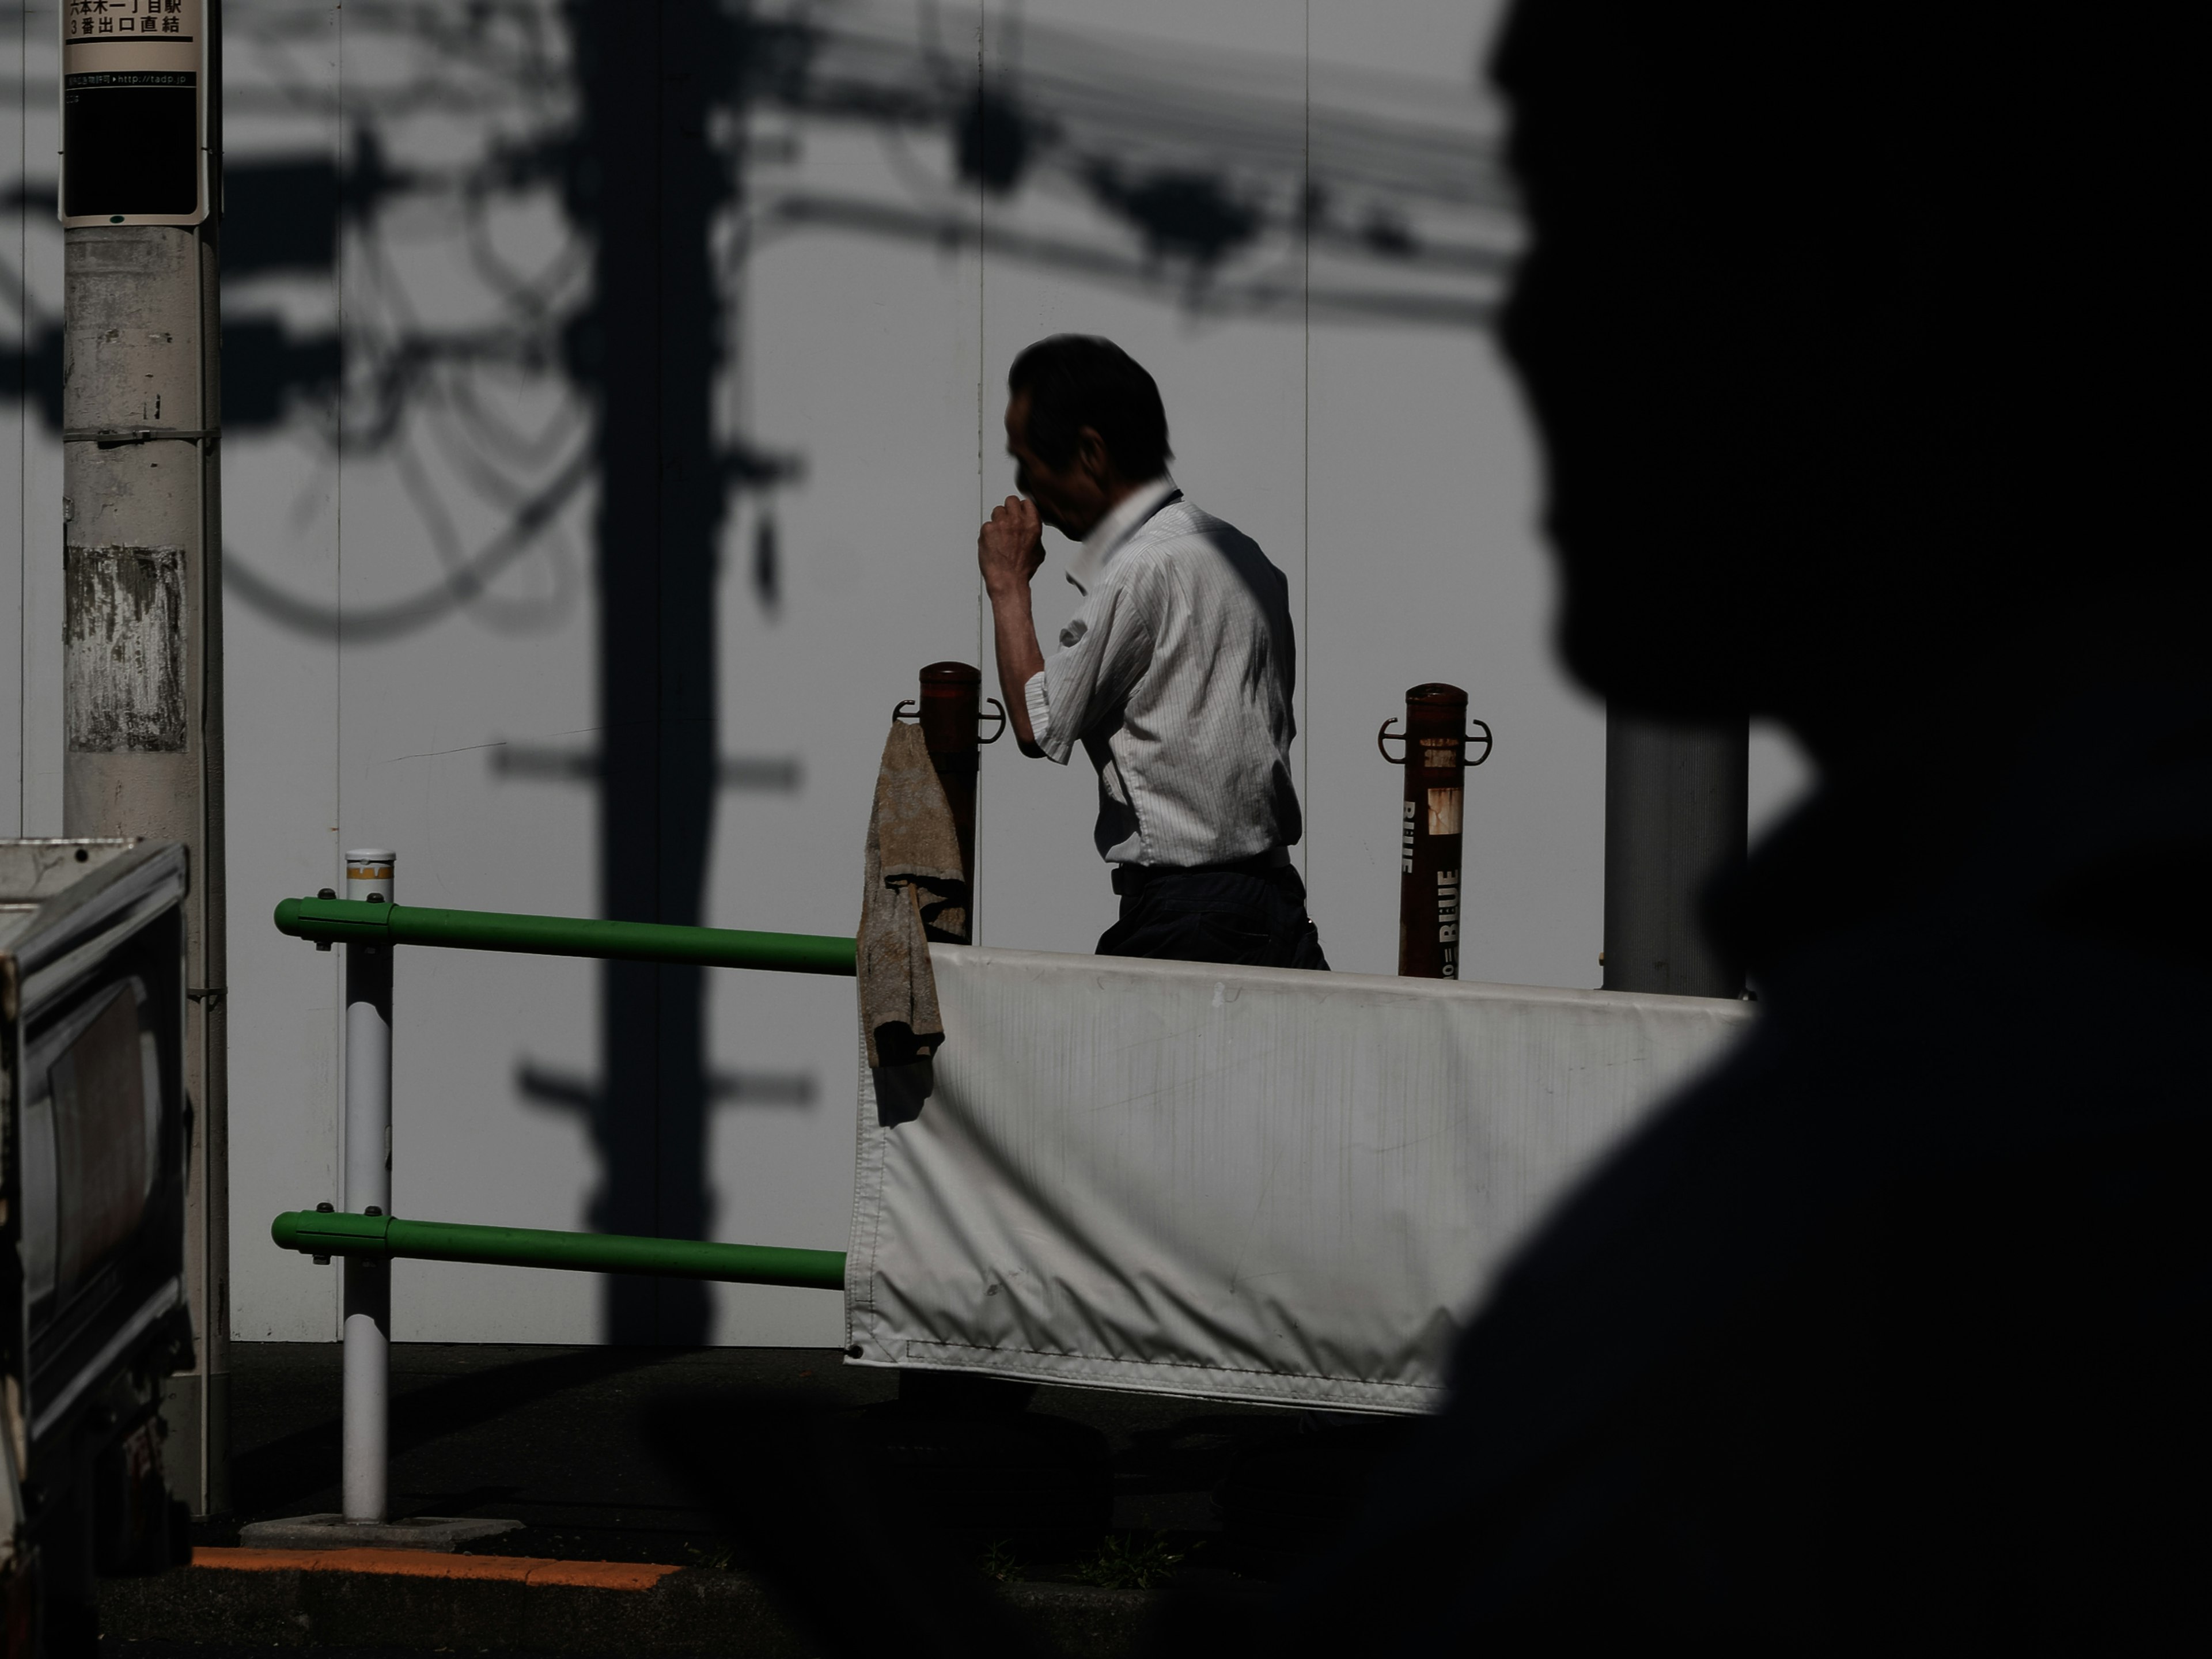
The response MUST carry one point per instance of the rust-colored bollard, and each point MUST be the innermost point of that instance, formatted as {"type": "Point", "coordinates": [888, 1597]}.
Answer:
{"type": "Point", "coordinates": [950, 712]}
{"type": "Point", "coordinates": [1429, 833]}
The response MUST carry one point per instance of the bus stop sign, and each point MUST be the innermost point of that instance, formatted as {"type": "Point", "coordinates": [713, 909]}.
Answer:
{"type": "Point", "coordinates": [133, 112]}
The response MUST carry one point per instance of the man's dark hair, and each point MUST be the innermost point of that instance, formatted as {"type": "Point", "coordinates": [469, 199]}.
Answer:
{"type": "Point", "coordinates": [1075, 380]}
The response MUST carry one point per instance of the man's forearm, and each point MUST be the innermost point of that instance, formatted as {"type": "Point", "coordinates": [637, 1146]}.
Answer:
{"type": "Point", "coordinates": [1020, 659]}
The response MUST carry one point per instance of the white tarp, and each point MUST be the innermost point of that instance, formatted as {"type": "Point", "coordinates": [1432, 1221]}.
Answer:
{"type": "Point", "coordinates": [1239, 1183]}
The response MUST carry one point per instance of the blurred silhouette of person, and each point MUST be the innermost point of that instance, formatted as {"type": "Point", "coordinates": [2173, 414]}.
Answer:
{"type": "Point", "coordinates": [1174, 676]}
{"type": "Point", "coordinates": [1853, 338]}
{"type": "Point", "coordinates": [1856, 340]}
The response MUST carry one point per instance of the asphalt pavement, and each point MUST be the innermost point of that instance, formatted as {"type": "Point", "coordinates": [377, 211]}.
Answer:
{"type": "Point", "coordinates": [563, 1439]}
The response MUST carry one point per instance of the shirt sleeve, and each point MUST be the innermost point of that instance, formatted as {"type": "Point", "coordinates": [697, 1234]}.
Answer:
{"type": "Point", "coordinates": [1040, 707]}
{"type": "Point", "coordinates": [1104, 651]}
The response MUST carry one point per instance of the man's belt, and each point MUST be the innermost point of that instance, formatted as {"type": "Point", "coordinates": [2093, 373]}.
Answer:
{"type": "Point", "coordinates": [1134, 878]}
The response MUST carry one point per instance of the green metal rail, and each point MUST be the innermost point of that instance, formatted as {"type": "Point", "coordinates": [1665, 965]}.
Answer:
{"type": "Point", "coordinates": [353, 921]}
{"type": "Point", "coordinates": [327, 1232]}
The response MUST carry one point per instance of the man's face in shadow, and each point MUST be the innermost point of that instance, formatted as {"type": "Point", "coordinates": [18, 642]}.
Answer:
{"type": "Point", "coordinates": [1596, 327]}
{"type": "Point", "coordinates": [1824, 422]}
{"type": "Point", "coordinates": [1072, 498]}
{"type": "Point", "coordinates": [1672, 327]}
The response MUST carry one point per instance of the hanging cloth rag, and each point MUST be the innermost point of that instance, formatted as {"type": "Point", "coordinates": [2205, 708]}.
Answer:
{"type": "Point", "coordinates": [916, 891]}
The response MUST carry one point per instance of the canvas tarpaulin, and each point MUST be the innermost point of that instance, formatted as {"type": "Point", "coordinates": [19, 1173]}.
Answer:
{"type": "Point", "coordinates": [1236, 1183]}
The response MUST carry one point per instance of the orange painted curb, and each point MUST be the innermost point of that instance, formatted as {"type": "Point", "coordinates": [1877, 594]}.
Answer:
{"type": "Point", "coordinates": [430, 1563]}
{"type": "Point", "coordinates": [247, 1560]}
{"type": "Point", "coordinates": [602, 1575]}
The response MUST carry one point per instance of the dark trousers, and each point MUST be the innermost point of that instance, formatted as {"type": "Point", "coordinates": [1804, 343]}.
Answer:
{"type": "Point", "coordinates": [1255, 919]}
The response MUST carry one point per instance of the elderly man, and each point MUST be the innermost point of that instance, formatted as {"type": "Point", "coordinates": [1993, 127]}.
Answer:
{"type": "Point", "coordinates": [1175, 675]}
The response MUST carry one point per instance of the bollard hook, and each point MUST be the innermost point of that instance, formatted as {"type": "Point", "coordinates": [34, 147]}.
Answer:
{"type": "Point", "coordinates": [1386, 732]}
{"type": "Point", "coordinates": [1483, 738]}
{"type": "Point", "coordinates": [1001, 732]}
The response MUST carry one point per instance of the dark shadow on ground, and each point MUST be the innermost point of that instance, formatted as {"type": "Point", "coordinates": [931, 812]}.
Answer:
{"type": "Point", "coordinates": [560, 1439]}
{"type": "Point", "coordinates": [282, 1475]}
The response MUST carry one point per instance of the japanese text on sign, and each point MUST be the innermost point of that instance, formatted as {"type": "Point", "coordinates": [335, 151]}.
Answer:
{"type": "Point", "coordinates": [130, 19]}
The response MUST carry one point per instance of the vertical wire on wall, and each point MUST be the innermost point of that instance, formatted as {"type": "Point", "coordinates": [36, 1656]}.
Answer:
{"type": "Point", "coordinates": [985, 659]}
{"type": "Point", "coordinates": [23, 438]}
{"type": "Point", "coordinates": [338, 641]}
{"type": "Point", "coordinates": [23, 427]}
{"type": "Point", "coordinates": [1305, 472]}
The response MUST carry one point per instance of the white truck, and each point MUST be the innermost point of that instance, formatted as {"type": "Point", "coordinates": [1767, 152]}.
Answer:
{"type": "Point", "coordinates": [94, 1129]}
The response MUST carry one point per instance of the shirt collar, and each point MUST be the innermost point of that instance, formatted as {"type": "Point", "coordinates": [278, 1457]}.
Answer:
{"type": "Point", "coordinates": [1107, 536]}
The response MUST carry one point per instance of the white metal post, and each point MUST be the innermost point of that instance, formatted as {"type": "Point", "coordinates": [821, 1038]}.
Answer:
{"type": "Point", "coordinates": [368, 1192]}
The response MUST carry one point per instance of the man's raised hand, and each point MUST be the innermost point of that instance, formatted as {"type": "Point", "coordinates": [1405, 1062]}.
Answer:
{"type": "Point", "coordinates": [1010, 547]}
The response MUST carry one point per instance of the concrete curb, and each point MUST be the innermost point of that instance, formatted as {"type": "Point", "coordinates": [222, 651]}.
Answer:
{"type": "Point", "coordinates": [401, 1598]}
{"type": "Point", "coordinates": [335, 1532]}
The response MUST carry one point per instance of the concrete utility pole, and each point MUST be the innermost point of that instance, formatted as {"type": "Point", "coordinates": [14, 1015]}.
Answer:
{"type": "Point", "coordinates": [141, 180]}
{"type": "Point", "coordinates": [1676, 799]}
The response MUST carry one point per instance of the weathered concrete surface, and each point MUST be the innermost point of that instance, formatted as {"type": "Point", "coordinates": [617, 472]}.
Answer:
{"type": "Point", "coordinates": [501, 1603]}
{"type": "Point", "coordinates": [125, 687]}
{"type": "Point", "coordinates": [131, 352]}
{"type": "Point", "coordinates": [142, 675]}
{"type": "Point", "coordinates": [153, 795]}
{"type": "Point", "coordinates": [134, 523]}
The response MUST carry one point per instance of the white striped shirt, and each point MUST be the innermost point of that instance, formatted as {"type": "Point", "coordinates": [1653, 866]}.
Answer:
{"type": "Point", "coordinates": [1176, 676]}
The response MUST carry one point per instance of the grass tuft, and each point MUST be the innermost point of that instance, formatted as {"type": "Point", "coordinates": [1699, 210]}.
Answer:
{"type": "Point", "coordinates": [1137, 1562]}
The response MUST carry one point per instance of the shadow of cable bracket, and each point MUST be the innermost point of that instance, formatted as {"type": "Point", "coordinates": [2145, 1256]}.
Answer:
{"type": "Point", "coordinates": [767, 774]}
{"type": "Point", "coordinates": [569, 1091]}
{"type": "Point", "coordinates": [1198, 289]}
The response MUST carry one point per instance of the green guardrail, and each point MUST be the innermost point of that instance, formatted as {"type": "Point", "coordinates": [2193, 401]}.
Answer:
{"type": "Point", "coordinates": [338, 1232]}
{"type": "Point", "coordinates": [356, 921]}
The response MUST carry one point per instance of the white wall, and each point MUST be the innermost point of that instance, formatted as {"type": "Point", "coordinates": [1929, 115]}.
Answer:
{"type": "Point", "coordinates": [1339, 402]}
{"type": "Point", "coordinates": [30, 447]}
